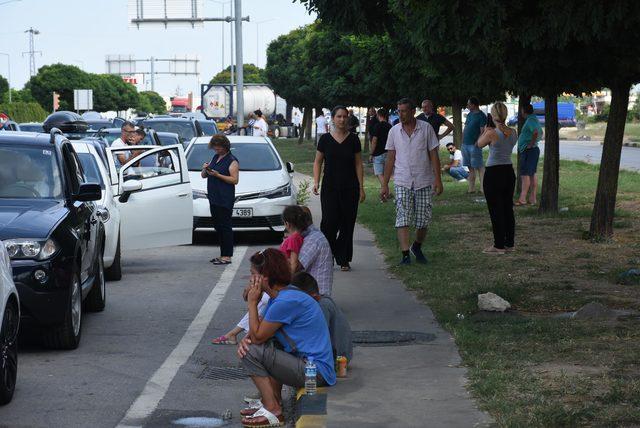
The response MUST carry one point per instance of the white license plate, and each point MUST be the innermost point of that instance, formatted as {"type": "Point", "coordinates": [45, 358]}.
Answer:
{"type": "Point", "coordinates": [243, 212]}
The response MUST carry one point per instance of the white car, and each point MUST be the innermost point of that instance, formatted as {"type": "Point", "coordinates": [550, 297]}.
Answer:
{"type": "Point", "coordinates": [264, 189]}
{"type": "Point", "coordinates": [145, 204]}
{"type": "Point", "coordinates": [10, 321]}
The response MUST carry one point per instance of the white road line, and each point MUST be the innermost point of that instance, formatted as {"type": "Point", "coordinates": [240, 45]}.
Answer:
{"type": "Point", "coordinates": [157, 386]}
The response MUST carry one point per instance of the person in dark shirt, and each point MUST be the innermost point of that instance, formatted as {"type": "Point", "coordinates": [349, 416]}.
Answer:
{"type": "Point", "coordinates": [353, 122]}
{"type": "Point", "coordinates": [372, 121]}
{"type": "Point", "coordinates": [378, 143]}
{"type": "Point", "coordinates": [339, 151]}
{"type": "Point", "coordinates": [436, 120]}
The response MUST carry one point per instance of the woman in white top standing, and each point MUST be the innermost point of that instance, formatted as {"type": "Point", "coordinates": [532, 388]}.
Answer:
{"type": "Point", "coordinates": [260, 126]}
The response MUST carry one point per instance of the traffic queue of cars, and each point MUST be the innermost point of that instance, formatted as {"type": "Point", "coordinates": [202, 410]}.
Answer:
{"type": "Point", "coordinates": [70, 205]}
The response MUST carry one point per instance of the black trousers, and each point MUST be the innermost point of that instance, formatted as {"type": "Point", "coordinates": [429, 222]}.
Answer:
{"type": "Point", "coordinates": [339, 212]}
{"type": "Point", "coordinates": [498, 184]}
{"type": "Point", "coordinates": [222, 224]}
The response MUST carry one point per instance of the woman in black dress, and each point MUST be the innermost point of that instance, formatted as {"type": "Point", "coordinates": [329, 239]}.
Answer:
{"type": "Point", "coordinates": [342, 185]}
{"type": "Point", "coordinates": [222, 176]}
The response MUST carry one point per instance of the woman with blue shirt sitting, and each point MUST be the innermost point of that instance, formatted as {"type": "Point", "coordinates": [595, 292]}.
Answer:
{"type": "Point", "coordinates": [277, 347]}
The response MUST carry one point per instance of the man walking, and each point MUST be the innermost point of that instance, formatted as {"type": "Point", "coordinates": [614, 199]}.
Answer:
{"type": "Point", "coordinates": [412, 150]}
{"type": "Point", "coordinates": [455, 167]}
{"type": "Point", "coordinates": [436, 120]}
{"type": "Point", "coordinates": [378, 144]}
{"type": "Point", "coordinates": [472, 154]}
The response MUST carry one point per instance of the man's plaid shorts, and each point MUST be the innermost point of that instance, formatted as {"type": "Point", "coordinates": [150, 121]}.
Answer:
{"type": "Point", "coordinates": [413, 207]}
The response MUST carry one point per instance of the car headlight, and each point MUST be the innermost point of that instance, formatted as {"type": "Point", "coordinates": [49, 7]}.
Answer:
{"type": "Point", "coordinates": [30, 248]}
{"type": "Point", "coordinates": [199, 194]}
{"type": "Point", "coordinates": [278, 192]}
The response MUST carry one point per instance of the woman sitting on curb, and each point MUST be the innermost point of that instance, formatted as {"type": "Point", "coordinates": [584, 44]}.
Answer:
{"type": "Point", "coordinates": [275, 351]}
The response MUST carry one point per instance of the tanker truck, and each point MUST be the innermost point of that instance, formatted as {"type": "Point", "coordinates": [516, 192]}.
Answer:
{"type": "Point", "coordinates": [217, 103]}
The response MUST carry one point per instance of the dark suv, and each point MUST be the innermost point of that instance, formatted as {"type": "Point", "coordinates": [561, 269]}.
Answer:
{"type": "Point", "coordinates": [50, 229]}
{"type": "Point", "coordinates": [187, 129]}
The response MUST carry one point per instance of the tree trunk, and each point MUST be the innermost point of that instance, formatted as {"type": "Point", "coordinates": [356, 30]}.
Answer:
{"type": "Point", "coordinates": [551, 173]}
{"type": "Point", "coordinates": [523, 100]}
{"type": "Point", "coordinates": [456, 108]}
{"type": "Point", "coordinates": [605, 202]}
{"type": "Point", "coordinates": [306, 122]}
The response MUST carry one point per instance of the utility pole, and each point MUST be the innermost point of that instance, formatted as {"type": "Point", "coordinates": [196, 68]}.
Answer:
{"type": "Point", "coordinates": [239, 64]}
{"type": "Point", "coordinates": [231, 41]}
{"type": "Point", "coordinates": [32, 50]}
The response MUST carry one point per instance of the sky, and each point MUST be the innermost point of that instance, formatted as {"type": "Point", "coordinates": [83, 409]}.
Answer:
{"type": "Point", "coordinates": [83, 32]}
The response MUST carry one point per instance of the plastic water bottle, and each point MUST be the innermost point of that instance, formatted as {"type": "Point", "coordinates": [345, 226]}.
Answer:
{"type": "Point", "coordinates": [310, 371]}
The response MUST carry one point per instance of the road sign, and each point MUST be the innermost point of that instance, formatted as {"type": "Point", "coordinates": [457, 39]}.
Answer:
{"type": "Point", "coordinates": [83, 99]}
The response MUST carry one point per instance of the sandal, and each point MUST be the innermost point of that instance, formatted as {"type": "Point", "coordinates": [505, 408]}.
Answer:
{"type": "Point", "coordinates": [493, 250]}
{"type": "Point", "coordinates": [345, 268]}
{"type": "Point", "coordinates": [263, 418]}
{"type": "Point", "coordinates": [219, 261]}
{"type": "Point", "coordinates": [519, 204]}
{"type": "Point", "coordinates": [223, 340]}
{"type": "Point", "coordinates": [251, 408]}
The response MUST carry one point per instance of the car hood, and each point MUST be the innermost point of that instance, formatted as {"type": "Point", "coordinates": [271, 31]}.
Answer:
{"type": "Point", "coordinates": [29, 218]}
{"type": "Point", "coordinates": [249, 181]}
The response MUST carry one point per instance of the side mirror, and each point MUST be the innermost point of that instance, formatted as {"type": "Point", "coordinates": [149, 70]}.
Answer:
{"type": "Point", "coordinates": [128, 187]}
{"type": "Point", "coordinates": [88, 192]}
{"type": "Point", "coordinates": [290, 168]}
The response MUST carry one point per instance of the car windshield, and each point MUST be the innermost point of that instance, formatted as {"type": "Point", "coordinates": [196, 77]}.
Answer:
{"type": "Point", "coordinates": [209, 127]}
{"type": "Point", "coordinates": [29, 173]}
{"type": "Point", "coordinates": [185, 129]}
{"type": "Point", "coordinates": [168, 140]}
{"type": "Point", "coordinates": [251, 156]}
{"type": "Point", "coordinates": [90, 168]}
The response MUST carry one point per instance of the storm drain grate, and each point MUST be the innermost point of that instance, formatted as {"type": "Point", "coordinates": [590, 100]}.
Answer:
{"type": "Point", "coordinates": [390, 338]}
{"type": "Point", "coordinates": [223, 373]}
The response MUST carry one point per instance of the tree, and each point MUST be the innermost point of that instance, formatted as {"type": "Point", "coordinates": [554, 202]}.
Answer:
{"type": "Point", "coordinates": [252, 74]}
{"type": "Point", "coordinates": [60, 78]}
{"type": "Point", "coordinates": [151, 102]}
{"type": "Point", "coordinates": [4, 88]}
{"type": "Point", "coordinates": [111, 93]}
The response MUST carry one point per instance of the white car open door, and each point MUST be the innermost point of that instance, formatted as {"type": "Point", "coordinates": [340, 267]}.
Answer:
{"type": "Point", "coordinates": [153, 193]}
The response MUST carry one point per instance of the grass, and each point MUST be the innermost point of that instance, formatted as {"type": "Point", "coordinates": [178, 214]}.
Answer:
{"type": "Point", "coordinates": [596, 131]}
{"type": "Point", "coordinates": [530, 368]}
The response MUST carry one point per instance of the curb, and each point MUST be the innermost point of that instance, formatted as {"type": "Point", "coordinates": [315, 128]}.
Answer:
{"type": "Point", "coordinates": [626, 144]}
{"type": "Point", "coordinates": [311, 410]}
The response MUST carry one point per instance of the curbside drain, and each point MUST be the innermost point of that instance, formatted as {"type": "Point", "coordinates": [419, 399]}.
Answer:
{"type": "Point", "coordinates": [223, 373]}
{"type": "Point", "coordinates": [390, 338]}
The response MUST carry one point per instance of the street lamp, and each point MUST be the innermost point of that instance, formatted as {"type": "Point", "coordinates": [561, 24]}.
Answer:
{"type": "Point", "coordinates": [8, 71]}
{"type": "Point", "coordinates": [258, 39]}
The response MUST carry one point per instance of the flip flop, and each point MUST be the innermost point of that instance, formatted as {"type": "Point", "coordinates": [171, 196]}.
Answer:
{"type": "Point", "coordinates": [221, 262]}
{"type": "Point", "coordinates": [223, 340]}
{"type": "Point", "coordinates": [271, 420]}
{"type": "Point", "coordinates": [519, 204]}
{"type": "Point", "coordinates": [345, 268]}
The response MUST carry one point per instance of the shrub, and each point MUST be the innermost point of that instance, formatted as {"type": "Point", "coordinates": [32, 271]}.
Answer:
{"type": "Point", "coordinates": [24, 112]}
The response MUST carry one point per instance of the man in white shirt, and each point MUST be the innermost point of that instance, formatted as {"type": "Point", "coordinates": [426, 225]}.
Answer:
{"type": "Point", "coordinates": [322, 127]}
{"type": "Point", "coordinates": [260, 126]}
{"type": "Point", "coordinates": [127, 135]}
{"type": "Point", "coordinates": [455, 167]}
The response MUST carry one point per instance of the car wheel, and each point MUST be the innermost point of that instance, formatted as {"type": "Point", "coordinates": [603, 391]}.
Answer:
{"type": "Point", "coordinates": [97, 298]}
{"type": "Point", "coordinates": [9, 352]}
{"type": "Point", "coordinates": [67, 335]}
{"type": "Point", "coordinates": [114, 273]}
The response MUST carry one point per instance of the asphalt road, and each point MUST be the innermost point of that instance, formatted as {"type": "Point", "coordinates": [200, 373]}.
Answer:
{"type": "Point", "coordinates": [142, 329]}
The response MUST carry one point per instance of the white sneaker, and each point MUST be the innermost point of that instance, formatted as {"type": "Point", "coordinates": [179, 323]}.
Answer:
{"type": "Point", "coordinates": [464, 180]}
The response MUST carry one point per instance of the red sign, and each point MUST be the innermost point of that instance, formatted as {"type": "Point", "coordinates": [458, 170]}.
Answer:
{"type": "Point", "coordinates": [130, 79]}
{"type": "Point", "coordinates": [3, 118]}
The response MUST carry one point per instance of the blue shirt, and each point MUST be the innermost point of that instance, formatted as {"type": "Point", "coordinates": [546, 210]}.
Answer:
{"type": "Point", "coordinates": [304, 323]}
{"type": "Point", "coordinates": [220, 193]}
{"type": "Point", "coordinates": [472, 126]}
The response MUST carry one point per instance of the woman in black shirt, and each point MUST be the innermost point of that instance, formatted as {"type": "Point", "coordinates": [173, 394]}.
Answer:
{"type": "Point", "coordinates": [342, 185]}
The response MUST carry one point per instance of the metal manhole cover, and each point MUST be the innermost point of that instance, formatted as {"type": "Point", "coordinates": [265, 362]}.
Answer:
{"type": "Point", "coordinates": [390, 338]}
{"type": "Point", "coordinates": [223, 373]}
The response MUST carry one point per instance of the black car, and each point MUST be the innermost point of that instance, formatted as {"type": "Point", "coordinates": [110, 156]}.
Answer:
{"type": "Point", "coordinates": [186, 128]}
{"type": "Point", "coordinates": [169, 138]}
{"type": "Point", "coordinates": [31, 127]}
{"type": "Point", "coordinates": [52, 233]}
{"type": "Point", "coordinates": [209, 127]}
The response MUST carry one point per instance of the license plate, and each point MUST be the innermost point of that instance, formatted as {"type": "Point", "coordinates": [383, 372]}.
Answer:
{"type": "Point", "coordinates": [243, 212]}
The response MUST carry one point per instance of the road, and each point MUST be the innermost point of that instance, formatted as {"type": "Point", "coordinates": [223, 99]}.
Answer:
{"type": "Point", "coordinates": [142, 329]}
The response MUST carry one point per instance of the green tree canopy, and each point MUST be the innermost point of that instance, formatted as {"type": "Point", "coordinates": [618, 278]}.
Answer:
{"type": "Point", "coordinates": [4, 88]}
{"type": "Point", "coordinates": [111, 93]}
{"type": "Point", "coordinates": [60, 78]}
{"type": "Point", "coordinates": [252, 74]}
{"type": "Point", "coordinates": [151, 102]}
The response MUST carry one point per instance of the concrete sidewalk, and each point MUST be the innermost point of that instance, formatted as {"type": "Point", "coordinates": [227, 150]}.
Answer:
{"type": "Point", "coordinates": [420, 385]}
